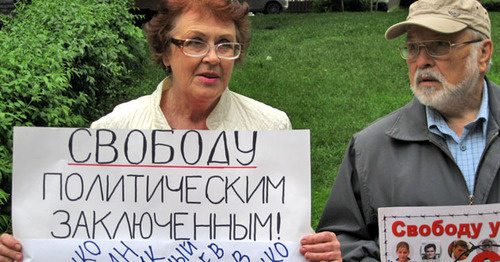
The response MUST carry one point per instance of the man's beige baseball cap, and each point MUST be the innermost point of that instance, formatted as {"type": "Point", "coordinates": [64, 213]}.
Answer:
{"type": "Point", "coordinates": [444, 16]}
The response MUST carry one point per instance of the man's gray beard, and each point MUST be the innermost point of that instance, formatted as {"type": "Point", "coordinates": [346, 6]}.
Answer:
{"type": "Point", "coordinates": [451, 97]}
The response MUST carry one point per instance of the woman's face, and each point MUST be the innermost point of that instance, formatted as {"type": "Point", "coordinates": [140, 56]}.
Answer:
{"type": "Point", "coordinates": [201, 80]}
{"type": "Point", "coordinates": [402, 253]}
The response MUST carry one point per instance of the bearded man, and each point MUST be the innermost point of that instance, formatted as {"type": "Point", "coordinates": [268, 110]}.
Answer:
{"type": "Point", "coordinates": [443, 147]}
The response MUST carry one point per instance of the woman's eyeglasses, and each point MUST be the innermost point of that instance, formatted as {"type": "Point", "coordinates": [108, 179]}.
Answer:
{"type": "Point", "coordinates": [435, 48]}
{"type": "Point", "coordinates": [197, 48]}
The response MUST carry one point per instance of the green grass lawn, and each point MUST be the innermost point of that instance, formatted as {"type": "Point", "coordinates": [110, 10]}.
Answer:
{"type": "Point", "coordinates": [333, 73]}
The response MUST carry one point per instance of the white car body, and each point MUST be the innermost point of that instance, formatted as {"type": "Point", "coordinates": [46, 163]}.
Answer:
{"type": "Point", "coordinates": [267, 6]}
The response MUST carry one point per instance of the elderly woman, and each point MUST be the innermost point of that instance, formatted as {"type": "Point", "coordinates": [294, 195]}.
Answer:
{"type": "Point", "coordinates": [197, 43]}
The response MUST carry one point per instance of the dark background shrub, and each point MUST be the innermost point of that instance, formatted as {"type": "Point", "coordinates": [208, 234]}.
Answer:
{"type": "Point", "coordinates": [341, 5]}
{"type": "Point", "coordinates": [491, 5]}
{"type": "Point", "coordinates": [364, 5]}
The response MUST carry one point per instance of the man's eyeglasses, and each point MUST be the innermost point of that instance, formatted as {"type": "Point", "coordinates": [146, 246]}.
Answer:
{"type": "Point", "coordinates": [435, 48]}
{"type": "Point", "coordinates": [197, 48]}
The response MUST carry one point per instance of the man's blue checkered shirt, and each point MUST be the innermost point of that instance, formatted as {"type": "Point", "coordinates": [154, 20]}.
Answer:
{"type": "Point", "coordinates": [466, 150]}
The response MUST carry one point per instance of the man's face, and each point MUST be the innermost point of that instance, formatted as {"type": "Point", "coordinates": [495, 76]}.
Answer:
{"type": "Point", "coordinates": [430, 253]}
{"type": "Point", "coordinates": [442, 81]}
{"type": "Point", "coordinates": [488, 247]}
{"type": "Point", "coordinates": [458, 250]}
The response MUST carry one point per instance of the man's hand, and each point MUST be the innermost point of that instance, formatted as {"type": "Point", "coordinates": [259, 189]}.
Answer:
{"type": "Point", "coordinates": [322, 246]}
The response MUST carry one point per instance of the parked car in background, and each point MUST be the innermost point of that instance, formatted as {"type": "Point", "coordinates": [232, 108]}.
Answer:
{"type": "Point", "coordinates": [263, 6]}
{"type": "Point", "coordinates": [267, 6]}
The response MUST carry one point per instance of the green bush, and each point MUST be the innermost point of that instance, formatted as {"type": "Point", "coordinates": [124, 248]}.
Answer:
{"type": "Point", "coordinates": [63, 63]}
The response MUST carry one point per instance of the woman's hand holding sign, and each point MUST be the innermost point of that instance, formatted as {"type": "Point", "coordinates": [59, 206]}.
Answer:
{"type": "Point", "coordinates": [10, 248]}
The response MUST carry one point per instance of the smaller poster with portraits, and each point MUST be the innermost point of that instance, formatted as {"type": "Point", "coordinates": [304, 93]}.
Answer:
{"type": "Point", "coordinates": [445, 233]}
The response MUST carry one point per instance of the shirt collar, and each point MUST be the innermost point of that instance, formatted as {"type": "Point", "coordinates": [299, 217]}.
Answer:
{"type": "Point", "coordinates": [436, 123]}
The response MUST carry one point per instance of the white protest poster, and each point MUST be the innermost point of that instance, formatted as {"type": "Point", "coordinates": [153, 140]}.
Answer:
{"type": "Point", "coordinates": [445, 233]}
{"type": "Point", "coordinates": [160, 195]}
